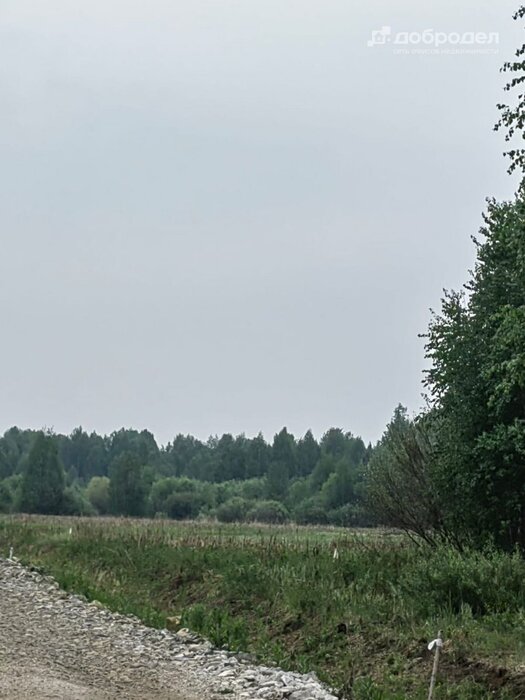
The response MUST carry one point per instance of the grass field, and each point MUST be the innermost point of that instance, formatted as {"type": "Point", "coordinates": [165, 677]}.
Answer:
{"type": "Point", "coordinates": [361, 619]}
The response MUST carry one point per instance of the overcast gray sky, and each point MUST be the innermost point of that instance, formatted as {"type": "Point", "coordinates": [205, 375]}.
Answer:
{"type": "Point", "coordinates": [230, 216]}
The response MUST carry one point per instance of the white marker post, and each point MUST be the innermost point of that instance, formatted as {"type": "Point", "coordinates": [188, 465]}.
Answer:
{"type": "Point", "coordinates": [438, 644]}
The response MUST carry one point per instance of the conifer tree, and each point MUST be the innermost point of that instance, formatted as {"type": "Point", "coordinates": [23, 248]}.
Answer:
{"type": "Point", "coordinates": [43, 482]}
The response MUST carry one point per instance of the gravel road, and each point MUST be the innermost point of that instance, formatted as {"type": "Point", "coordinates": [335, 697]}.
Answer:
{"type": "Point", "coordinates": [56, 645]}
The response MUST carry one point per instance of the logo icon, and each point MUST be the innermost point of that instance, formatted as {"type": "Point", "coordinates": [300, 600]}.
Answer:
{"type": "Point", "coordinates": [380, 37]}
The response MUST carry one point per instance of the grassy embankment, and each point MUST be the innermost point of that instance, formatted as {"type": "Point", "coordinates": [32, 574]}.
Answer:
{"type": "Point", "coordinates": [361, 620]}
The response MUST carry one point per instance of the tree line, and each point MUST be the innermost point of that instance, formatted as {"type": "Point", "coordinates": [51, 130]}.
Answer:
{"type": "Point", "coordinates": [231, 478]}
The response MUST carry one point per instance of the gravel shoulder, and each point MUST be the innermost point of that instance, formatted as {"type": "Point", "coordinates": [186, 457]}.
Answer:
{"type": "Point", "coordinates": [53, 645]}
{"type": "Point", "coordinates": [56, 645]}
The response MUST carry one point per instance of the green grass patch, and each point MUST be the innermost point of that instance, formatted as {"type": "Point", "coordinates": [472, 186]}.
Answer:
{"type": "Point", "coordinates": [361, 620]}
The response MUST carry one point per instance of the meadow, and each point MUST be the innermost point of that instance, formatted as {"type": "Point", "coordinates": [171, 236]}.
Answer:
{"type": "Point", "coordinates": [357, 607]}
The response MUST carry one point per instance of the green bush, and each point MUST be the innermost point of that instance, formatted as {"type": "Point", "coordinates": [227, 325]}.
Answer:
{"type": "Point", "coordinates": [233, 510]}
{"type": "Point", "coordinates": [485, 582]}
{"type": "Point", "coordinates": [74, 502]}
{"type": "Point", "coordinates": [271, 512]}
{"type": "Point", "coordinates": [179, 498]}
{"type": "Point", "coordinates": [310, 512]}
{"type": "Point", "coordinates": [348, 515]}
{"type": "Point", "coordinates": [97, 493]}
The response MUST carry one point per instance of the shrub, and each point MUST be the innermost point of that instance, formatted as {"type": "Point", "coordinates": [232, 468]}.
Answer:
{"type": "Point", "coordinates": [179, 498]}
{"type": "Point", "coordinates": [233, 510]}
{"type": "Point", "coordinates": [486, 582]}
{"type": "Point", "coordinates": [74, 502]}
{"type": "Point", "coordinates": [345, 516]}
{"type": "Point", "coordinates": [310, 512]}
{"type": "Point", "coordinates": [97, 493]}
{"type": "Point", "coordinates": [269, 512]}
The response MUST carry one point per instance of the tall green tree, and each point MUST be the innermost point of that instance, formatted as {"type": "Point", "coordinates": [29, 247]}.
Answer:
{"type": "Point", "coordinates": [476, 347]}
{"type": "Point", "coordinates": [15, 446]}
{"type": "Point", "coordinates": [142, 444]}
{"type": "Point", "coordinates": [177, 455]}
{"type": "Point", "coordinates": [308, 453]}
{"type": "Point", "coordinates": [127, 486]}
{"type": "Point", "coordinates": [231, 458]}
{"type": "Point", "coordinates": [334, 443]}
{"type": "Point", "coordinates": [84, 455]}
{"type": "Point", "coordinates": [477, 384]}
{"type": "Point", "coordinates": [257, 457]}
{"type": "Point", "coordinates": [43, 481]}
{"type": "Point", "coordinates": [283, 465]}
{"type": "Point", "coordinates": [284, 452]}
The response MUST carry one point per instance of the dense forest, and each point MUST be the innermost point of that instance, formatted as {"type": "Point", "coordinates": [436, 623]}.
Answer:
{"type": "Point", "coordinates": [231, 478]}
